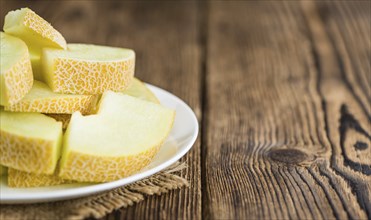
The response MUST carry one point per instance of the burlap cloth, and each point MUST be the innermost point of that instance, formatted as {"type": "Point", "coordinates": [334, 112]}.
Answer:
{"type": "Point", "coordinates": [99, 205]}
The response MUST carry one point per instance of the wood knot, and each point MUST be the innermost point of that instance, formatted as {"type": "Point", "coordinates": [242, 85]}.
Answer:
{"type": "Point", "coordinates": [359, 145]}
{"type": "Point", "coordinates": [289, 156]}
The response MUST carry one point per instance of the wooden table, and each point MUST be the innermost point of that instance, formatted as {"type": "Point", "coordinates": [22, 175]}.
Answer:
{"type": "Point", "coordinates": [281, 90]}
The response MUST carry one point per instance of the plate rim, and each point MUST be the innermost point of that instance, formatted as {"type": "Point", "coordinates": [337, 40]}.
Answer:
{"type": "Point", "coordinates": [73, 193]}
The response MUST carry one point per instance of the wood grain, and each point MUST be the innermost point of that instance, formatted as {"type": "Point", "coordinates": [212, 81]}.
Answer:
{"type": "Point", "coordinates": [165, 37]}
{"type": "Point", "coordinates": [288, 99]}
{"type": "Point", "coordinates": [281, 88]}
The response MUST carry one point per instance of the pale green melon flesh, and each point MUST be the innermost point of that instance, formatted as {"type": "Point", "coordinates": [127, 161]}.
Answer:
{"type": "Point", "coordinates": [41, 35]}
{"type": "Point", "coordinates": [32, 125]}
{"type": "Point", "coordinates": [139, 90]}
{"type": "Point", "coordinates": [88, 52]}
{"type": "Point", "coordinates": [14, 25]}
{"type": "Point", "coordinates": [12, 49]}
{"type": "Point", "coordinates": [29, 142]}
{"type": "Point", "coordinates": [124, 125]}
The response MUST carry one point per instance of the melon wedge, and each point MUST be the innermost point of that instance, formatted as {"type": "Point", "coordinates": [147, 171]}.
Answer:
{"type": "Point", "coordinates": [120, 140]}
{"type": "Point", "coordinates": [21, 179]}
{"type": "Point", "coordinates": [29, 141]}
{"type": "Point", "coordinates": [88, 69]}
{"type": "Point", "coordinates": [139, 90]}
{"type": "Point", "coordinates": [15, 71]}
{"type": "Point", "coordinates": [42, 99]}
{"type": "Point", "coordinates": [36, 32]}
{"type": "Point", "coordinates": [33, 29]}
{"type": "Point", "coordinates": [18, 178]}
{"type": "Point", "coordinates": [136, 89]}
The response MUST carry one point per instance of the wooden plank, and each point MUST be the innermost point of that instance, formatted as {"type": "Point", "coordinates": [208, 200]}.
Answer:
{"type": "Point", "coordinates": [165, 37]}
{"type": "Point", "coordinates": [279, 141]}
{"type": "Point", "coordinates": [166, 40]}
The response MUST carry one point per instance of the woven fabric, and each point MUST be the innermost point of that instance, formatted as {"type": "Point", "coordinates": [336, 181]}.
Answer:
{"type": "Point", "coordinates": [99, 205]}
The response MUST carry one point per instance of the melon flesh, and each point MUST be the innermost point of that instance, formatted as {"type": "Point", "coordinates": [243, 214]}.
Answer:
{"type": "Point", "coordinates": [36, 32]}
{"type": "Point", "coordinates": [42, 99]}
{"type": "Point", "coordinates": [136, 89]}
{"type": "Point", "coordinates": [36, 66]}
{"type": "Point", "coordinates": [18, 178]}
{"type": "Point", "coordinates": [139, 90]}
{"type": "Point", "coordinates": [120, 140]}
{"type": "Point", "coordinates": [15, 70]}
{"type": "Point", "coordinates": [29, 141]}
{"type": "Point", "coordinates": [64, 118]}
{"type": "Point", "coordinates": [88, 69]}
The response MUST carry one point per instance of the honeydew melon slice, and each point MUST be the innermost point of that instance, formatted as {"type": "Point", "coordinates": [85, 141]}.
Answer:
{"type": "Point", "coordinates": [33, 29]}
{"type": "Point", "coordinates": [136, 89]}
{"type": "Point", "coordinates": [21, 179]}
{"type": "Point", "coordinates": [15, 70]}
{"type": "Point", "coordinates": [18, 178]}
{"type": "Point", "coordinates": [139, 90]}
{"type": "Point", "coordinates": [120, 140]}
{"type": "Point", "coordinates": [36, 32]}
{"type": "Point", "coordinates": [42, 99]}
{"type": "Point", "coordinates": [88, 69]}
{"type": "Point", "coordinates": [29, 141]}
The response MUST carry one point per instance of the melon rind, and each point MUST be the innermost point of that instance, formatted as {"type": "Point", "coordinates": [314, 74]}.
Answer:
{"type": "Point", "coordinates": [120, 140]}
{"type": "Point", "coordinates": [16, 77]}
{"type": "Point", "coordinates": [29, 142]}
{"type": "Point", "coordinates": [21, 179]}
{"type": "Point", "coordinates": [64, 118]}
{"type": "Point", "coordinates": [88, 69]}
{"type": "Point", "coordinates": [33, 29]}
{"type": "Point", "coordinates": [36, 32]}
{"type": "Point", "coordinates": [42, 99]}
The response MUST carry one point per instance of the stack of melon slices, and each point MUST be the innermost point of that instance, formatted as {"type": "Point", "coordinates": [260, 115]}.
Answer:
{"type": "Point", "coordinates": [72, 112]}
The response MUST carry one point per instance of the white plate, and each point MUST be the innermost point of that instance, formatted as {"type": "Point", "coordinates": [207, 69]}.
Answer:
{"type": "Point", "coordinates": [179, 142]}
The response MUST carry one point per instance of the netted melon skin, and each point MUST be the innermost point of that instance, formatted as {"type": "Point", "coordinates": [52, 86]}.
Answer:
{"type": "Point", "coordinates": [27, 154]}
{"type": "Point", "coordinates": [20, 179]}
{"type": "Point", "coordinates": [17, 81]}
{"type": "Point", "coordinates": [71, 76]}
{"type": "Point", "coordinates": [84, 104]}
{"type": "Point", "coordinates": [33, 24]}
{"type": "Point", "coordinates": [84, 168]}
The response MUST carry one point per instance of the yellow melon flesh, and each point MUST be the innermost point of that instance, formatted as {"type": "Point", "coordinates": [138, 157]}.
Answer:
{"type": "Point", "coordinates": [120, 140]}
{"type": "Point", "coordinates": [18, 178]}
{"type": "Point", "coordinates": [21, 179]}
{"type": "Point", "coordinates": [42, 99]}
{"type": "Point", "coordinates": [88, 69]}
{"type": "Point", "coordinates": [139, 90]}
{"type": "Point", "coordinates": [36, 66]}
{"type": "Point", "coordinates": [64, 118]}
{"type": "Point", "coordinates": [29, 141]}
{"type": "Point", "coordinates": [136, 89]}
{"type": "Point", "coordinates": [15, 70]}
{"type": "Point", "coordinates": [36, 32]}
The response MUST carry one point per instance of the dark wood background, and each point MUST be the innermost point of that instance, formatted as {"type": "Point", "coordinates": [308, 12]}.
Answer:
{"type": "Point", "coordinates": [281, 90]}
